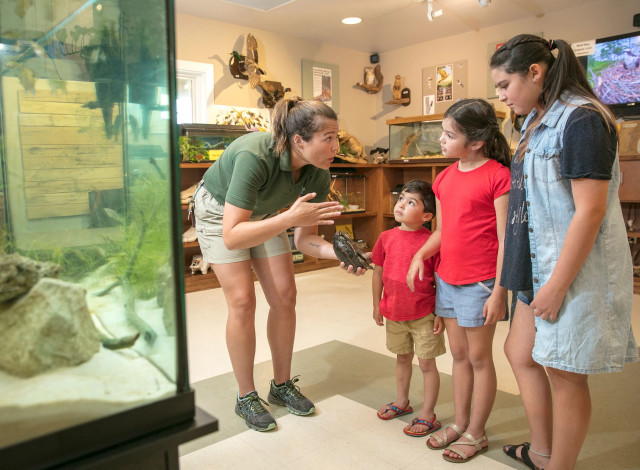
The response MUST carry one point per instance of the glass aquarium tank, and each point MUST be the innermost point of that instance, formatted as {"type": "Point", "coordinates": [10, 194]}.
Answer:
{"type": "Point", "coordinates": [206, 142]}
{"type": "Point", "coordinates": [417, 139]}
{"type": "Point", "coordinates": [348, 188]}
{"type": "Point", "coordinates": [91, 296]}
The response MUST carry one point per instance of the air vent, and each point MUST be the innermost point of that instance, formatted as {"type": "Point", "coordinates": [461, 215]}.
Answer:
{"type": "Point", "coordinates": [262, 5]}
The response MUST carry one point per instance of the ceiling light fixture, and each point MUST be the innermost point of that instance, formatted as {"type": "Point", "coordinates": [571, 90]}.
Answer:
{"type": "Point", "coordinates": [352, 20]}
{"type": "Point", "coordinates": [484, 3]}
{"type": "Point", "coordinates": [431, 13]}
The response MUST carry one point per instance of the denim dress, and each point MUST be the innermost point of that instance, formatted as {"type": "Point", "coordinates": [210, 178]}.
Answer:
{"type": "Point", "coordinates": [592, 332]}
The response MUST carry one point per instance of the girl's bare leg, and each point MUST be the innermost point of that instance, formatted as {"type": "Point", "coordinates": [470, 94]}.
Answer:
{"type": "Point", "coordinates": [462, 376]}
{"type": "Point", "coordinates": [533, 383]}
{"type": "Point", "coordinates": [571, 417]}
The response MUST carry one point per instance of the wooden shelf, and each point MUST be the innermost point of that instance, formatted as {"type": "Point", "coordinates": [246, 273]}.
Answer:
{"type": "Point", "coordinates": [197, 282]}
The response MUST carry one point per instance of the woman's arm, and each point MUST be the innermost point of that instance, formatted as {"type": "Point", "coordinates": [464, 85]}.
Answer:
{"type": "Point", "coordinates": [590, 199]}
{"type": "Point", "coordinates": [430, 248]}
{"type": "Point", "coordinates": [238, 232]}
{"type": "Point", "coordinates": [495, 307]}
{"type": "Point", "coordinates": [310, 243]}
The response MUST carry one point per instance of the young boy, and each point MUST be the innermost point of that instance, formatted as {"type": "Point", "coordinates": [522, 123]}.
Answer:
{"type": "Point", "coordinates": [411, 324]}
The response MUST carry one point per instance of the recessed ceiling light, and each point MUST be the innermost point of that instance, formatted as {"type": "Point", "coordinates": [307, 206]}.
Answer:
{"type": "Point", "coordinates": [352, 20]}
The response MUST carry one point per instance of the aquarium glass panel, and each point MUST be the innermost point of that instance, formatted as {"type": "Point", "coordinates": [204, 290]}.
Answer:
{"type": "Point", "coordinates": [89, 296]}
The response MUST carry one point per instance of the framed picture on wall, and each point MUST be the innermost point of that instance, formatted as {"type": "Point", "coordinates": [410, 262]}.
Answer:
{"type": "Point", "coordinates": [320, 82]}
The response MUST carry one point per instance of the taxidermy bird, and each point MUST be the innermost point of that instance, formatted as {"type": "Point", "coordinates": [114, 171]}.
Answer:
{"type": "Point", "coordinates": [629, 60]}
{"type": "Point", "coordinates": [251, 61]}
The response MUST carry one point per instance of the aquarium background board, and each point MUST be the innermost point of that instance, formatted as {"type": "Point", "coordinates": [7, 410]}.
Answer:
{"type": "Point", "coordinates": [57, 153]}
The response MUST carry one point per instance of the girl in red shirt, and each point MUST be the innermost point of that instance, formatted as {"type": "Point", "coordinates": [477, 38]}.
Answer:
{"type": "Point", "coordinates": [471, 210]}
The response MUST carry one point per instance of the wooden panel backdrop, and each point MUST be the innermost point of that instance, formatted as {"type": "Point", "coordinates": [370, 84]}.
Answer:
{"type": "Point", "coordinates": [57, 152]}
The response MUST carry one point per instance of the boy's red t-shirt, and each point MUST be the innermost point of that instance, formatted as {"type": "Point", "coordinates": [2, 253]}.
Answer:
{"type": "Point", "coordinates": [469, 237]}
{"type": "Point", "coordinates": [394, 251]}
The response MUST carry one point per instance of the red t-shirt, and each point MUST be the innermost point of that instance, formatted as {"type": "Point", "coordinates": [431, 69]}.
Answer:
{"type": "Point", "coordinates": [394, 251]}
{"type": "Point", "coordinates": [469, 245]}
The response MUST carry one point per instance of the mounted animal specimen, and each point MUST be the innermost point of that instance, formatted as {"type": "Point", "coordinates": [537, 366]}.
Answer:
{"type": "Point", "coordinates": [373, 79]}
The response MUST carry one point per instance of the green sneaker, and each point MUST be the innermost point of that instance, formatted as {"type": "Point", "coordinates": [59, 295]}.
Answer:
{"type": "Point", "coordinates": [288, 394]}
{"type": "Point", "coordinates": [254, 414]}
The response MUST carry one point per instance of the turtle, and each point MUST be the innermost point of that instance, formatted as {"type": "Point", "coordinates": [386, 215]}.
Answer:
{"type": "Point", "coordinates": [347, 252]}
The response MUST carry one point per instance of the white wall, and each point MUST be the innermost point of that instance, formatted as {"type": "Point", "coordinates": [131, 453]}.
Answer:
{"type": "Point", "coordinates": [280, 55]}
{"type": "Point", "coordinates": [362, 114]}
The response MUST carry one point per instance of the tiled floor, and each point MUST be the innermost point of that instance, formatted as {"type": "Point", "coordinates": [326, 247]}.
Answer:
{"type": "Point", "coordinates": [346, 369]}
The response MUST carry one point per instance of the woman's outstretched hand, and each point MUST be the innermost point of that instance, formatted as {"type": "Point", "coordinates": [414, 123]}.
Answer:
{"type": "Point", "coordinates": [357, 271]}
{"type": "Point", "coordinates": [305, 214]}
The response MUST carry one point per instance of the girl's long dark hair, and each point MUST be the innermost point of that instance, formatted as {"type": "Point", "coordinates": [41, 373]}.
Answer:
{"type": "Point", "coordinates": [293, 116]}
{"type": "Point", "coordinates": [477, 121]}
{"type": "Point", "coordinates": [564, 73]}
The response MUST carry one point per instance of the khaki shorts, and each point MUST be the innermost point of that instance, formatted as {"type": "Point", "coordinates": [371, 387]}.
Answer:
{"type": "Point", "coordinates": [208, 215]}
{"type": "Point", "coordinates": [404, 337]}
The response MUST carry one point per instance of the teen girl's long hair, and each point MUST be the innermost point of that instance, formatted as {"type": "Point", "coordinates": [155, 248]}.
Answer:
{"type": "Point", "coordinates": [477, 121]}
{"type": "Point", "coordinates": [564, 73]}
{"type": "Point", "coordinates": [293, 116]}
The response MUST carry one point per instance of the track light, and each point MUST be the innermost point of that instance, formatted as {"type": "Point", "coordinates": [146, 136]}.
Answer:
{"type": "Point", "coordinates": [431, 13]}
{"type": "Point", "coordinates": [484, 3]}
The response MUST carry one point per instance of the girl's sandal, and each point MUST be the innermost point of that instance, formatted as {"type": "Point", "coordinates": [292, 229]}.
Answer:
{"type": "Point", "coordinates": [471, 441]}
{"type": "Point", "coordinates": [431, 426]}
{"type": "Point", "coordinates": [444, 442]}
{"type": "Point", "coordinates": [524, 459]}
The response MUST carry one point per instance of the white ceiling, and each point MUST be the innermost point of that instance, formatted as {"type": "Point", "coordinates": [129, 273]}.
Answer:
{"type": "Point", "coordinates": [386, 24]}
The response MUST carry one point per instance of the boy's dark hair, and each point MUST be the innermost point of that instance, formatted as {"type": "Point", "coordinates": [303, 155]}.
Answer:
{"type": "Point", "coordinates": [426, 194]}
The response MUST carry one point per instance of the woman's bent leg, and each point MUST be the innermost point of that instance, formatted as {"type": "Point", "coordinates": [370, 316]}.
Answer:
{"type": "Point", "coordinates": [236, 281]}
{"type": "Point", "coordinates": [277, 280]}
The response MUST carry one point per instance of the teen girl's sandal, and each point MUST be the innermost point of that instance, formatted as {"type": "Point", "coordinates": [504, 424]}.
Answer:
{"type": "Point", "coordinates": [432, 426]}
{"type": "Point", "coordinates": [524, 459]}
{"type": "Point", "coordinates": [444, 442]}
{"type": "Point", "coordinates": [398, 411]}
{"type": "Point", "coordinates": [471, 441]}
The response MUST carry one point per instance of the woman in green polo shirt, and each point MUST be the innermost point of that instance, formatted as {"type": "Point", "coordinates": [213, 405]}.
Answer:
{"type": "Point", "coordinates": [240, 228]}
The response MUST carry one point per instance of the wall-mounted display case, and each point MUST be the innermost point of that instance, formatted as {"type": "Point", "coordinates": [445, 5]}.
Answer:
{"type": "Point", "coordinates": [92, 324]}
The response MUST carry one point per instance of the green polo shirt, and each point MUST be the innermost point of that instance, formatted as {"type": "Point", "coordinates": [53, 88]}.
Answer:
{"type": "Point", "coordinates": [248, 175]}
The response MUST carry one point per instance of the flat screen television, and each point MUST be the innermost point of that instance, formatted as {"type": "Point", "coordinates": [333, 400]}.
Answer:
{"type": "Point", "coordinates": [613, 70]}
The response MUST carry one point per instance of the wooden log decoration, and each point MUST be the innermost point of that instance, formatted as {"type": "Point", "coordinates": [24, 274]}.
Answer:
{"type": "Point", "coordinates": [373, 79]}
{"type": "Point", "coordinates": [400, 95]}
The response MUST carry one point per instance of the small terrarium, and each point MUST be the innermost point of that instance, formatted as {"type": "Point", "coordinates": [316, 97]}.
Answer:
{"type": "Point", "coordinates": [348, 189]}
{"type": "Point", "coordinates": [415, 141]}
{"type": "Point", "coordinates": [206, 142]}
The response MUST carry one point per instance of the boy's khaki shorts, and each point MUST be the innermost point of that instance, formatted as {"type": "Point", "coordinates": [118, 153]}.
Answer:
{"type": "Point", "coordinates": [404, 337]}
{"type": "Point", "coordinates": [208, 214]}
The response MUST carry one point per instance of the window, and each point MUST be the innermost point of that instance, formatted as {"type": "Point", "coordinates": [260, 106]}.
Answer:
{"type": "Point", "coordinates": [194, 82]}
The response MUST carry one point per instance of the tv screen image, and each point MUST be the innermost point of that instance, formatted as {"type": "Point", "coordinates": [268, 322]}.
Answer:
{"type": "Point", "coordinates": [613, 71]}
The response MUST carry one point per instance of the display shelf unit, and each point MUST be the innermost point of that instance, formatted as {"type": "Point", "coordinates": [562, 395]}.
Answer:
{"type": "Point", "coordinates": [629, 194]}
{"type": "Point", "coordinates": [191, 173]}
{"type": "Point", "coordinates": [380, 179]}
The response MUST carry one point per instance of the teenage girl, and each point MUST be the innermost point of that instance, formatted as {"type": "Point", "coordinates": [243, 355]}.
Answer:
{"type": "Point", "coordinates": [566, 250]}
{"type": "Point", "coordinates": [242, 230]}
{"type": "Point", "coordinates": [471, 209]}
